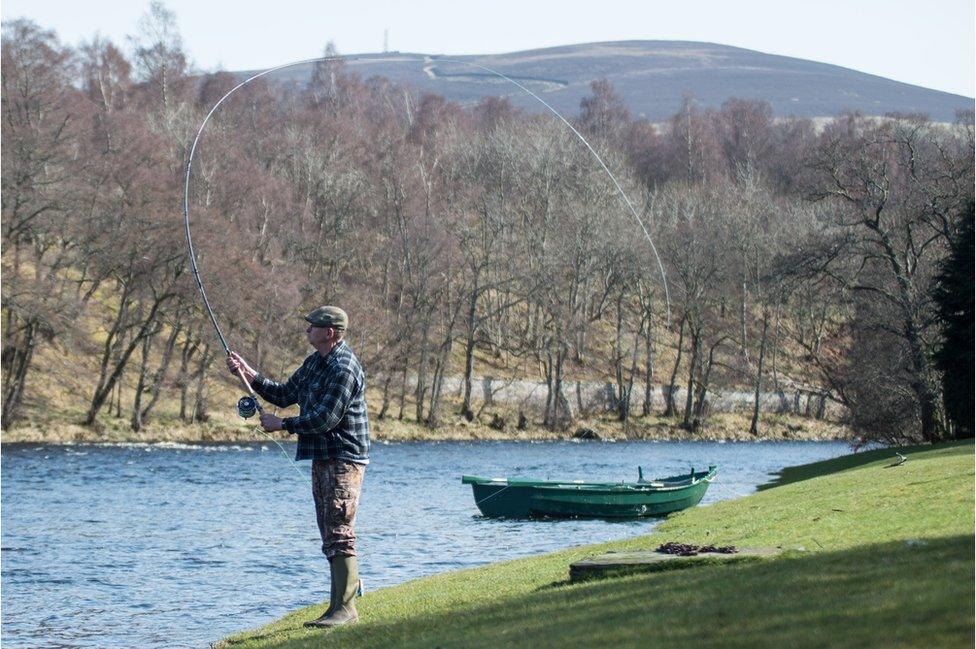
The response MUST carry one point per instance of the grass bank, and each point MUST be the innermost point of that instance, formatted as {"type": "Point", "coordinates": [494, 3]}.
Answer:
{"type": "Point", "coordinates": [876, 556]}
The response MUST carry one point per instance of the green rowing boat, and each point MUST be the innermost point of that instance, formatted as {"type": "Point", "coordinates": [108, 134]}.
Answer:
{"type": "Point", "coordinates": [528, 498]}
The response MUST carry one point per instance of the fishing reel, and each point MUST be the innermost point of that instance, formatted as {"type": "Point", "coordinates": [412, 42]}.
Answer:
{"type": "Point", "coordinates": [247, 407]}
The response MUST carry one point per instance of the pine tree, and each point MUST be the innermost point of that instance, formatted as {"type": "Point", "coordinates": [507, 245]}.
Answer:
{"type": "Point", "coordinates": [954, 297]}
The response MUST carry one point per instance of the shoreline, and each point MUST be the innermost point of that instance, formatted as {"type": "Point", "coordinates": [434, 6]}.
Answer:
{"type": "Point", "coordinates": [903, 557]}
{"type": "Point", "coordinates": [727, 427]}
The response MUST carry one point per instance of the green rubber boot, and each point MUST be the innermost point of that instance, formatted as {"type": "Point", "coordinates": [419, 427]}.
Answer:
{"type": "Point", "coordinates": [332, 598]}
{"type": "Point", "coordinates": [345, 580]}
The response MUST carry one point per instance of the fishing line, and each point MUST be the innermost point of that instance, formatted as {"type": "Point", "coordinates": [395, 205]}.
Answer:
{"type": "Point", "coordinates": [620, 190]}
{"type": "Point", "coordinates": [247, 407]}
{"type": "Point", "coordinates": [213, 110]}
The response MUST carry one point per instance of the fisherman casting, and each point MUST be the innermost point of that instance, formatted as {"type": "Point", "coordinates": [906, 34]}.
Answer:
{"type": "Point", "coordinates": [333, 432]}
{"type": "Point", "coordinates": [333, 429]}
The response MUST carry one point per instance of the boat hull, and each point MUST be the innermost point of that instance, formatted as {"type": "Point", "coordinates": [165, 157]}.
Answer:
{"type": "Point", "coordinates": [525, 498]}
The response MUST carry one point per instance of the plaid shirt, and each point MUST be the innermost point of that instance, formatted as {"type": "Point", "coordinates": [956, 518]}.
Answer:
{"type": "Point", "coordinates": [331, 393]}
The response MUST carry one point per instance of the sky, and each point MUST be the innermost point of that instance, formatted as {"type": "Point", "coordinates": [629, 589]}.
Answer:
{"type": "Point", "coordinates": [929, 44]}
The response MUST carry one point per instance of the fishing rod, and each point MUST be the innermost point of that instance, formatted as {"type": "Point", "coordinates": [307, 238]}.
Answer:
{"type": "Point", "coordinates": [248, 405]}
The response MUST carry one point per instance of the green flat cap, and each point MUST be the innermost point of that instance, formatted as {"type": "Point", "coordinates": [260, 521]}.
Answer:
{"type": "Point", "coordinates": [328, 316]}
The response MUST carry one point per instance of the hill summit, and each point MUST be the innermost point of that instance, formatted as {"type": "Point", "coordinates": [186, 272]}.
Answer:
{"type": "Point", "coordinates": [653, 77]}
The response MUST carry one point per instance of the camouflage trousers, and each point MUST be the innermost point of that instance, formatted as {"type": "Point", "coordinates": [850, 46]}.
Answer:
{"type": "Point", "coordinates": [336, 485]}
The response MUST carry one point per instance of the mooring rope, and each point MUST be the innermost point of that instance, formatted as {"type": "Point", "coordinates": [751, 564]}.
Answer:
{"type": "Point", "coordinates": [478, 502]}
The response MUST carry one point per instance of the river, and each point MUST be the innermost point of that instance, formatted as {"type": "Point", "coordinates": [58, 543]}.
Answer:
{"type": "Point", "coordinates": [174, 545]}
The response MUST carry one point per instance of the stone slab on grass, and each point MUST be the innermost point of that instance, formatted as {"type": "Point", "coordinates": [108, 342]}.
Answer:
{"type": "Point", "coordinates": [616, 563]}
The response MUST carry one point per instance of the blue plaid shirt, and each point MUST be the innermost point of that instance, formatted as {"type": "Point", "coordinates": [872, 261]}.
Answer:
{"type": "Point", "coordinates": [331, 393]}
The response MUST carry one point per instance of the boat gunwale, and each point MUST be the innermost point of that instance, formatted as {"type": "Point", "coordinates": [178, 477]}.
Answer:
{"type": "Point", "coordinates": [653, 486]}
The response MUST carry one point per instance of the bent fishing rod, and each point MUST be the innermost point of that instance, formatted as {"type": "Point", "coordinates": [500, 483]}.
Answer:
{"type": "Point", "coordinates": [248, 405]}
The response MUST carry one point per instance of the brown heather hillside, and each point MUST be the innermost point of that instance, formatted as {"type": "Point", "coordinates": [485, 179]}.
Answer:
{"type": "Point", "coordinates": [60, 386]}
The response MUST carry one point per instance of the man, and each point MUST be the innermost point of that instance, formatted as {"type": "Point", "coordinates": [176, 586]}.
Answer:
{"type": "Point", "coordinates": [333, 431]}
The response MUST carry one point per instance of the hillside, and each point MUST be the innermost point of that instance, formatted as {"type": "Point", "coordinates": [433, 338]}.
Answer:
{"type": "Point", "coordinates": [653, 77]}
{"type": "Point", "coordinates": [486, 244]}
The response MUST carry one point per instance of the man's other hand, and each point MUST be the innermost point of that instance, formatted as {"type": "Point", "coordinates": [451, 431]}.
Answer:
{"type": "Point", "coordinates": [271, 423]}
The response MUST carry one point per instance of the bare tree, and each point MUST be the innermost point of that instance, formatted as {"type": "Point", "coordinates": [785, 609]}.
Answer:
{"type": "Point", "coordinates": [889, 187]}
{"type": "Point", "coordinates": [692, 222]}
{"type": "Point", "coordinates": [158, 52]}
{"type": "Point", "coordinates": [42, 120]}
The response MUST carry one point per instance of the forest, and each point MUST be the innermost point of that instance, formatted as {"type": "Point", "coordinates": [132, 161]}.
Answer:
{"type": "Point", "coordinates": [832, 256]}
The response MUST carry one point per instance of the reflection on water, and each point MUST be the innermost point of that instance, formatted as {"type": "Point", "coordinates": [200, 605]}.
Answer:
{"type": "Point", "coordinates": [181, 545]}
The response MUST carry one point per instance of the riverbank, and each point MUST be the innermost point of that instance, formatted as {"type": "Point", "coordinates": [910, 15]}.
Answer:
{"type": "Point", "coordinates": [498, 425]}
{"type": "Point", "coordinates": [875, 555]}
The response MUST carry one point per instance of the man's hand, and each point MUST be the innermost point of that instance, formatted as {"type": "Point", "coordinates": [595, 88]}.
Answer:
{"type": "Point", "coordinates": [271, 423]}
{"type": "Point", "coordinates": [235, 363]}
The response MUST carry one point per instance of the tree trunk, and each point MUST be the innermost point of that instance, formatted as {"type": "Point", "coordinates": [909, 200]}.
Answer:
{"type": "Point", "coordinates": [420, 390]}
{"type": "Point", "coordinates": [155, 388]}
{"type": "Point", "coordinates": [564, 412]}
{"type": "Point", "coordinates": [692, 367]}
{"type": "Point", "coordinates": [108, 349]}
{"type": "Point", "coordinates": [671, 408]}
{"type": "Point", "coordinates": [104, 388]}
{"type": "Point", "coordinates": [625, 408]}
{"type": "Point", "coordinates": [135, 423]}
{"type": "Point", "coordinates": [118, 399]}
{"type": "Point", "coordinates": [433, 410]}
{"type": "Point", "coordinates": [403, 392]}
{"type": "Point", "coordinates": [774, 352]}
{"type": "Point", "coordinates": [200, 400]}
{"type": "Point", "coordinates": [385, 405]}
{"type": "Point", "coordinates": [702, 391]}
{"type": "Point", "coordinates": [742, 322]}
{"type": "Point", "coordinates": [187, 351]}
{"type": "Point", "coordinates": [618, 362]}
{"type": "Point", "coordinates": [15, 378]}
{"type": "Point", "coordinates": [754, 425]}
{"type": "Point", "coordinates": [548, 419]}
{"type": "Point", "coordinates": [580, 406]}
{"type": "Point", "coordinates": [648, 368]}
{"type": "Point", "coordinates": [922, 381]}
{"type": "Point", "coordinates": [469, 356]}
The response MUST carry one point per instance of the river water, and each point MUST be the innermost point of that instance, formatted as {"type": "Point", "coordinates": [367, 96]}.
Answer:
{"type": "Point", "coordinates": [179, 546]}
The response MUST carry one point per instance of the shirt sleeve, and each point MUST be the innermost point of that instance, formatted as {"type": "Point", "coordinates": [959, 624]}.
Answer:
{"type": "Point", "coordinates": [279, 394]}
{"type": "Point", "coordinates": [329, 407]}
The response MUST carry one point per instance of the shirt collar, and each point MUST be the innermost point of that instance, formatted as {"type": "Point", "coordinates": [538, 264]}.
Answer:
{"type": "Point", "coordinates": [328, 358]}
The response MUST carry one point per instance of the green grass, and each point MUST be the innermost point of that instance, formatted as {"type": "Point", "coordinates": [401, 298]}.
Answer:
{"type": "Point", "coordinates": [877, 556]}
{"type": "Point", "coordinates": [845, 462]}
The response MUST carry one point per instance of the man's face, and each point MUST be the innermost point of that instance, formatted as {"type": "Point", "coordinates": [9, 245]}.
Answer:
{"type": "Point", "coordinates": [319, 335]}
